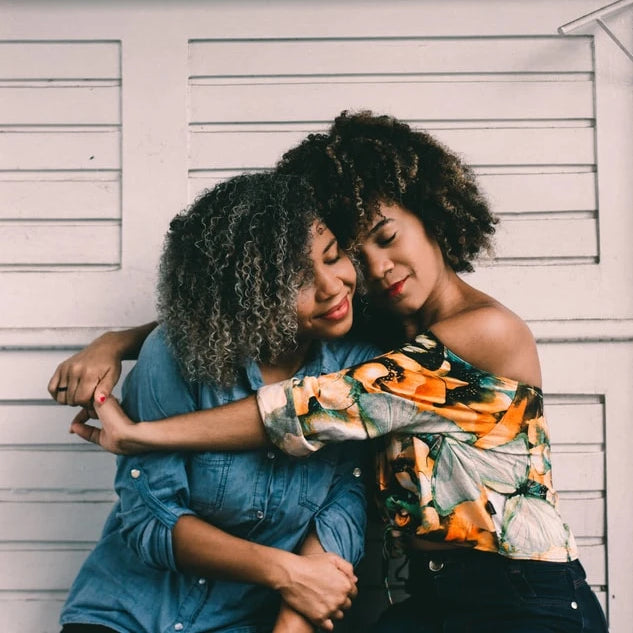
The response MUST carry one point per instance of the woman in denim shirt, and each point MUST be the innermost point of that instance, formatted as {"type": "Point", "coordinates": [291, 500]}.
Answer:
{"type": "Point", "coordinates": [251, 282]}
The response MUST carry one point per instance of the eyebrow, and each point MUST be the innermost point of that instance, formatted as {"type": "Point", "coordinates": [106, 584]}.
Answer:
{"type": "Point", "coordinates": [378, 226]}
{"type": "Point", "coordinates": [330, 244]}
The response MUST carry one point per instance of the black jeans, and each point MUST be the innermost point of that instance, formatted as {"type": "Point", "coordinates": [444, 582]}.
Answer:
{"type": "Point", "coordinates": [466, 591]}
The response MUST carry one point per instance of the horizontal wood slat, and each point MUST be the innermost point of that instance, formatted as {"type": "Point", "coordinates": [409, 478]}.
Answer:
{"type": "Point", "coordinates": [314, 101]}
{"type": "Point", "coordinates": [48, 243]}
{"type": "Point", "coordinates": [585, 517]}
{"type": "Point", "coordinates": [32, 613]}
{"type": "Point", "coordinates": [576, 423]}
{"type": "Point", "coordinates": [508, 193]}
{"type": "Point", "coordinates": [578, 471]}
{"type": "Point", "coordinates": [57, 470]}
{"type": "Point", "coordinates": [38, 365]}
{"type": "Point", "coordinates": [59, 150]}
{"type": "Point", "coordinates": [53, 522]}
{"type": "Point", "coordinates": [32, 570]}
{"type": "Point", "coordinates": [534, 192]}
{"type": "Point", "coordinates": [59, 60]}
{"type": "Point", "coordinates": [55, 105]}
{"type": "Point", "coordinates": [546, 238]}
{"type": "Point", "coordinates": [485, 146]}
{"type": "Point", "coordinates": [28, 424]}
{"type": "Point", "coordinates": [419, 55]}
{"type": "Point", "coordinates": [60, 199]}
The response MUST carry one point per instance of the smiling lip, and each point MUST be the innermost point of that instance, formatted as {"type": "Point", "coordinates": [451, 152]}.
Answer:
{"type": "Point", "coordinates": [396, 289]}
{"type": "Point", "coordinates": [338, 312]}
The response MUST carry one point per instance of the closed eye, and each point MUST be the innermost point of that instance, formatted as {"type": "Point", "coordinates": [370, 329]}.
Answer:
{"type": "Point", "coordinates": [385, 240]}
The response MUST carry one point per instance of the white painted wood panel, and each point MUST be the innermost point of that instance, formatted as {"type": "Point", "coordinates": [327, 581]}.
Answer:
{"type": "Point", "coordinates": [59, 60]}
{"type": "Point", "coordinates": [392, 57]}
{"type": "Point", "coordinates": [32, 149]}
{"type": "Point", "coordinates": [257, 100]}
{"type": "Point", "coordinates": [154, 119]}
{"type": "Point", "coordinates": [62, 243]}
{"type": "Point", "coordinates": [60, 105]}
{"type": "Point", "coordinates": [60, 196]}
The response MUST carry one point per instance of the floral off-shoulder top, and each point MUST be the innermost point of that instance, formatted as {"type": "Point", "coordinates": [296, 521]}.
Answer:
{"type": "Point", "coordinates": [466, 457]}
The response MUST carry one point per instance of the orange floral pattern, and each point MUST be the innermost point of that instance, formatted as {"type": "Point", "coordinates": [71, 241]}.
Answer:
{"type": "Point", "coordinates": [465, 454]}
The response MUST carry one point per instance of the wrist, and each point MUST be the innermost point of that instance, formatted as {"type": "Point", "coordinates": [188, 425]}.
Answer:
{"type": "Point", "coordinates": [115, 342]}
{"type": "Point", "coordinates": [277, 570]}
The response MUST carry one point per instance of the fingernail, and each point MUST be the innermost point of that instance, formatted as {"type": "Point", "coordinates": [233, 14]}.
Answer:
{"type": "Point", "coordinates": [101, 399]}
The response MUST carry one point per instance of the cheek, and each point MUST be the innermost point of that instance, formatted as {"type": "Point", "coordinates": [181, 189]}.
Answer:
{"type": "Point", "coordinates": [305, 305]}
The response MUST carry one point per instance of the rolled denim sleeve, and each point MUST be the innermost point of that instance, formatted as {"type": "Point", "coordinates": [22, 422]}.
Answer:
{"type": "Point", "coordinates": [153, 488]}
{"type": "Point", "coordinates": [341, 522]}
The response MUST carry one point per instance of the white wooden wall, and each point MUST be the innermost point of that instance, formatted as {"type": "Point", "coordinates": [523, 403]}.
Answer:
{"type": "Point", "coordinates": [113, 115]}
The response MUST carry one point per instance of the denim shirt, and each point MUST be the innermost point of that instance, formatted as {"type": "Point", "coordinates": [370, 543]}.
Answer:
{"type": "Point", "coordinates": [130, 581]}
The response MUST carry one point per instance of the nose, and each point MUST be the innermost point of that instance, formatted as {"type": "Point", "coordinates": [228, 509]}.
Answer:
{"type": "Point", "coordinates": [328, 284]}
{"type": "Point", "coordinates": [377, 264]}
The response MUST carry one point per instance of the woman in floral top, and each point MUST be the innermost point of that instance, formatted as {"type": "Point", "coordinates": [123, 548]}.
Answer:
{"type": "Point", "coordinates": [464, 471]}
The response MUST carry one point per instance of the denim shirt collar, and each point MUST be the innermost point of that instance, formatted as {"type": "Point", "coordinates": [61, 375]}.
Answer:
{"type": "Point", "coordinates": [320, 360]}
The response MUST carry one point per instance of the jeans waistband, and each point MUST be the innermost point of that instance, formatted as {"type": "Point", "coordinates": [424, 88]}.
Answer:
{"type": "Point", "coordinates": [422, 564]}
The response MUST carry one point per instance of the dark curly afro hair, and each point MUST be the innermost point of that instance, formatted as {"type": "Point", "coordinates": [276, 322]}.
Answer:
{"type": "Point", "coordinates": [231, 269]}
{"type": "Point", "coordinates": [365, 159]}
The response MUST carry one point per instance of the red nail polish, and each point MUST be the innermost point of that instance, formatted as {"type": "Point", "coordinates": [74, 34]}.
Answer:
{"type": "Point", "coordinates": [101, 399]}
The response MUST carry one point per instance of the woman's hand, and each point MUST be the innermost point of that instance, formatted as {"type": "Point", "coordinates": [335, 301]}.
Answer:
{"type": "Point", "coordinates": [320, 587]}
{"type": "Point", "coordinates": [118, 433]}
{"type": "Point", "coordinates": [97, 366]}
{"type": "Point", "coordinates": [96, 369]}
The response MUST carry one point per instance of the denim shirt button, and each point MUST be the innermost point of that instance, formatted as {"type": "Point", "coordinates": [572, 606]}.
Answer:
{"type": "Point", "coordinates": [202, 581]}
{"type": "Point", "coordinates": [179, 626]}
{"type": "Point", "coordinates": [574, 605]}
{"type": "Point", "coordinates": [271, 455]}
{"type": "Point", "coordinates": [135, 473]}
{"type": "Point", "coordinates": [259, 514]}
{"type": "Point", "coordinates": [357, 472]}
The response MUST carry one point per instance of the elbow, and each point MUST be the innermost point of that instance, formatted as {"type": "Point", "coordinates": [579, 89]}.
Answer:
{"type": "Point", "coordinates": [152, 543]}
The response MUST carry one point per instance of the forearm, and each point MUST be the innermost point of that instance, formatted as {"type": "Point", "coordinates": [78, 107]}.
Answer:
{"type": "Point", "coordinates": [234, 426]}
{"type": "Point", "coordinates": [288, 620]}
{"type": "Point", "coordinates": [128, 342]}
{"type": "Point", "coordinates": [203, 549]}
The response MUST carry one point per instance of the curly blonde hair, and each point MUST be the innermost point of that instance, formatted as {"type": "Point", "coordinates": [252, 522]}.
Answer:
{"type": "Point", "coordinates": [230, 272]}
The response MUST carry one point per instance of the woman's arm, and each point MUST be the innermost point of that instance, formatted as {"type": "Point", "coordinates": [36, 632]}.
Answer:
{"type": "Point", "coordinates": [289, 620]}
{"type": "Point", "coordinates": [318, 585]}
{"type": "Point", "coordinates": [97, 366]}
{"type": "Point", "coordinates": [233, 426]}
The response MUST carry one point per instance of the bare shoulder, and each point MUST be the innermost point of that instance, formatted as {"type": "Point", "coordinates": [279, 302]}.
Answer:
{"type": "Point", "coordinates": [493, 338]}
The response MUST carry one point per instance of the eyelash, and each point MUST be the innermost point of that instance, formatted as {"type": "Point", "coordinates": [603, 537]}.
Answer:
{"type": "Point", "coordinates": [334, 259]}
{"type": "Point", "coordinates": [384, 241]}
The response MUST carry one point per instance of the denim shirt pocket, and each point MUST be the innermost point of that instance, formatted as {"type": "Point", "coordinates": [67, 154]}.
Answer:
{"type": "Point", "coordinates": [317, 472]}
{"type": "Point", "coordinates": [208, 477]}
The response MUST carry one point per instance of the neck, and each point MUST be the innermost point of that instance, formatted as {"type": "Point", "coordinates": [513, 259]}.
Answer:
{"type": "Point", "coordinates": [446, 300]}
{"type": "Point", "coordinates": [287, 365]}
